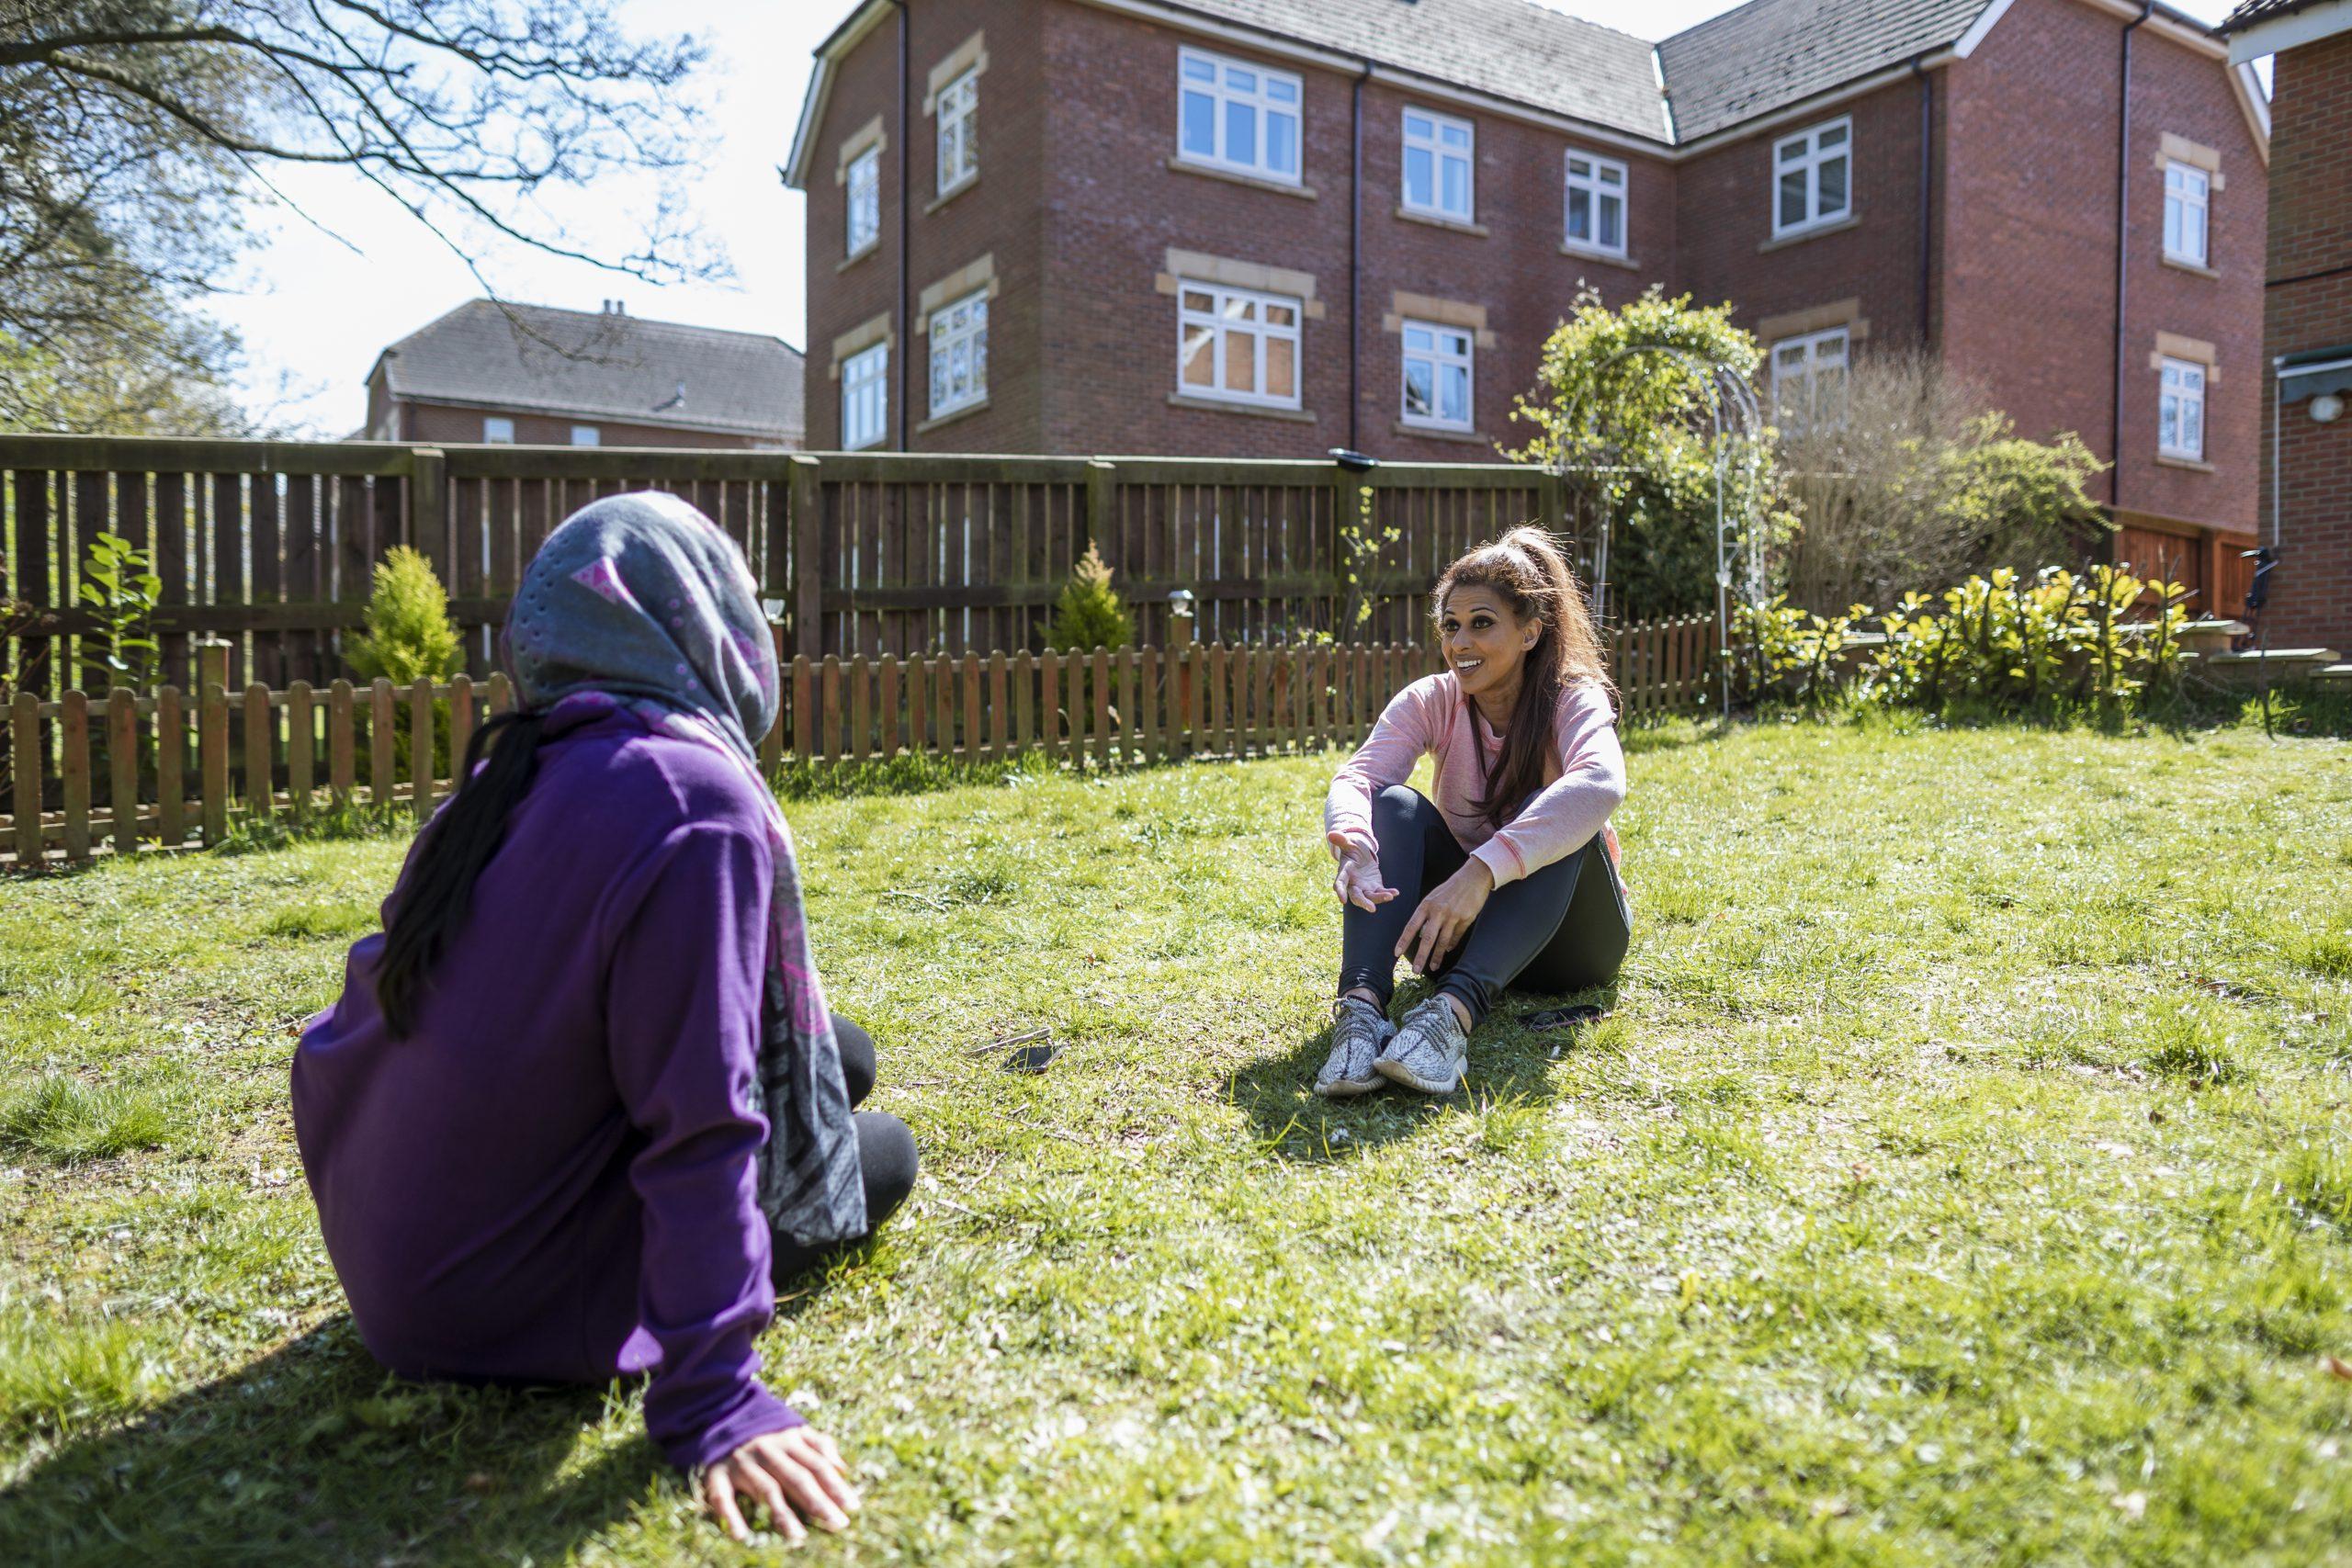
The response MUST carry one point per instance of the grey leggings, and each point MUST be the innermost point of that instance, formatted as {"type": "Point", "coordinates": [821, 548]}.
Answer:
{"type": "Point", "coordinates": [1563, 928]}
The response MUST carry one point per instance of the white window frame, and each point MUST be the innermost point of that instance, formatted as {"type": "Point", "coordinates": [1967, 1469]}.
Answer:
{"type": "Point", "coordinates": [2176, 396]}
{"type": "Point", "coordinates": [863, 194]}
{"type": "Point", "coordinates": [958, 107]}
{"type": "Point", "coordinates": [2194, 194]}
{"type": "Point", "coordinates": [1432, 139]}
{"type": "Point", "coordinates": [1262, 101]}
{"type": "Point", "coordinates": [1440, 357]}
{"type": "Point", "coordinates": [1226, 329]}
{"type": "Point", "coordinates": [497, 430]}
{"type": "Point", "coordinates": [587, 436]}
{"type": "Point", "coordinates": [959, 328]}
{"type": "Point", "coordinates": [866, 381]}
{"type": "Point", "coordinates": [1812, 346]}
{"type": "Point", "coordinates": [1598, 188]}
{"type": "Point", "coordinates": [1809, 161]}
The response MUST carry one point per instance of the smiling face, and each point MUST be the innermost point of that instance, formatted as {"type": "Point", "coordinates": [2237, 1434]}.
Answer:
{"type": "Point", "coordinates": [1484, 643]}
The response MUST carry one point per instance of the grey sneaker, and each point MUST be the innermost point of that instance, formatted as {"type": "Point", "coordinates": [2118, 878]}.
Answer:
{"type": "Point", "coordinates": [1429, 1051]}
{"type": "Point", "coordinates": [1358, 1031]}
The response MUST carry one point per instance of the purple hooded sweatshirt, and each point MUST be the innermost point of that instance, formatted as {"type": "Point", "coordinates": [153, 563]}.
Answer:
{"type": "Point", "coordinates": [552, 1178]}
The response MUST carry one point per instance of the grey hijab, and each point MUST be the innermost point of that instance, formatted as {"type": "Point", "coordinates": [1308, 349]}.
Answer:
{"type": "Point", "coordinates": [641, 602]}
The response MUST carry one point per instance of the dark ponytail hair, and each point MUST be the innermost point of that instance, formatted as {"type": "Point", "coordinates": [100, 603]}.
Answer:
{"type": "Point", "coordinates": [1532, 577]}
{"type": "Point", "coordinates": [434, 896]}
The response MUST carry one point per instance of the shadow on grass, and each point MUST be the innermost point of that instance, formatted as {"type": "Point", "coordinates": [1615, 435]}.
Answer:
{"type": "Point", "coordinates": [309, 1455]}
{"type": "Point", "coordinates": [1510, 1064]}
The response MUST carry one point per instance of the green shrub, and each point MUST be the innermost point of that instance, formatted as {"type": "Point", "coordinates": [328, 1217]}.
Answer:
{"type": "Point", "coordinates": [1089, 614]}
{"type": "Point", "coordinates": [409, 637]}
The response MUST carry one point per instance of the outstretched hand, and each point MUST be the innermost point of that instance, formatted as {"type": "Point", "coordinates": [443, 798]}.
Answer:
{"type": "Point", "coordinates": [1358, 879]}
{"type": "Point", "coordinates": [792, 1474]}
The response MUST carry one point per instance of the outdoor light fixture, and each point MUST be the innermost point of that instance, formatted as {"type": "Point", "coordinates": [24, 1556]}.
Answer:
{"type": "Point", "coordinates": [1351, 460]}
{"type": "Point", "coordinates": [1180, 603]}
{"type": "Point", "coordinates": [2327, 408]}
{"type": "Point", "coordinates": [774, 610]}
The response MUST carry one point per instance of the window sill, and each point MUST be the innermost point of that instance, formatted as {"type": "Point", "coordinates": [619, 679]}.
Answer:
{"type": "Point", "coordinates": [1438, 432]}
{"type": "Point", "coordinates": [1851, 221]}
{"type": "Point", "coordinates": [950, 194]}
{"type": "Point", "coordinates": [2167, 461]}
{"type": "Point", "coordinates": [850, 260]}
{"type": "Point", "coordinates": [1221, 405]}
{"type": "Point", "coordinates": [1606, 258]}
{"type": "Point", "coordinates": [1435, 222]}
{"type": "Point", "coordinates": [1256, 182]}
{"type": "Point", "coordinates": [2180, 264]}
{"type": "Point", "coordinates": [951, 416]}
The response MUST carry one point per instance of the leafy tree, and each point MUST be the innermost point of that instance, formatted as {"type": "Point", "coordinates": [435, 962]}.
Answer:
{"type": "Point", "coordinates": [410, 635]}
{"type": "Point", "coordinates": [134, 134]}
{"type": "Point", "coordinates": [123, 592]}
{"type": "Point", "coordinates": [1621, 407]}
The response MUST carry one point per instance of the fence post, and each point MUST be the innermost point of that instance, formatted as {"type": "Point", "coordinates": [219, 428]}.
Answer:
{"type": "Point", "coordinates": [428, 509]}
{"type": "Point", "coordinates": [212, 733]}
{"type": "Point", "coordinates": [24, 722]}
{"type": "Point", "coordinates": [1343, 522]}
{"type": "Point", "coordinates": [1102, 495]}
{"type": "Point", "coordinates": [808, 569]}
{"type": "Point", "coordinates": [1182, 663]}
{"type": "Point", "coordinates": [123, 763]}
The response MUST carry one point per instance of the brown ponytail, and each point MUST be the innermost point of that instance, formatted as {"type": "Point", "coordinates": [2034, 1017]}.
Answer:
{"type": "Point", "coordinates": [1532, 577]}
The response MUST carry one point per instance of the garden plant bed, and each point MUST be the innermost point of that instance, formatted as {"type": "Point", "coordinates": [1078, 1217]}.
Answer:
{"type": "Point", "coordinates": [1961, 1174]}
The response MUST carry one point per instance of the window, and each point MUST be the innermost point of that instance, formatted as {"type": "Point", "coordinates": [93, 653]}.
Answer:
{"type": "Point", "coordinates": [864, 186]}
{"type": "Point", "coordinates": [1437, 165]}
{"type": "Point", "coordinates": [2180, 422]}
{"type": "Point", "coordinates": [1236, 116]}
{"type": "Point", "coordinates": [960, 129]}
{"type": "Point", "coordinates": [1437, 374]}
{"type": "Point", "coordinates": [1809, 381]}
{"type": "Point", "coordinates": [498, 430]}
{"type": "Point", "coordinates": [2187, 190]}
{"type": "Point", "coordinates": [585, 436]}
{"type": "Point", "coordinates": [1596, 205]}
{"type": "Point", "coordinates": [1812, 177]}
{"type": "Point", "coordinates": [866, 395]}
{"type": "Point", "coordinates": [959, 353]}
{"type": "Point", "coordinates": [1237, 345]}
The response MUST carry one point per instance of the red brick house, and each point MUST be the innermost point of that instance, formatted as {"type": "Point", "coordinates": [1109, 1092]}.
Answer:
{"type": "Point", "coordinates": [532, 374]}
{"type": "Point", "coordinates": [1275, 227]}
{"type": "Point", "coordinates": [2306, 447]}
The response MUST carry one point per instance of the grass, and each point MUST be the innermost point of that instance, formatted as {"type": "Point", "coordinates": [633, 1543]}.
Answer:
{"type": "Point", "coordinates": [1960, 1176]}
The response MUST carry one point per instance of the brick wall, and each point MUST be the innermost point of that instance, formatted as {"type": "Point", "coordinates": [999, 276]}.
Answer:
{"type": "Point", "coordinates": [433, 421]}
{"type": "Point", "coordinates": [2308, 306]}
{"type": "Point", "coordinates": [2029, 306]}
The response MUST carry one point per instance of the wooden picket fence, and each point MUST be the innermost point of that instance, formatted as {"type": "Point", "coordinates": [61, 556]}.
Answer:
{"type": "Point", "coordinates": [174, 770]}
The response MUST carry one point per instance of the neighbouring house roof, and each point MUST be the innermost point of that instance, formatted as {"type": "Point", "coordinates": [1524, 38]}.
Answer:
{"type": "Point", "coordinates": [1512, 48]}
{"type": "Point", "coordinates": [2268, 27]}
{"type": "Point", "coordinates": [2257, 11]}
{"type": "Point", "coordinates": [601, 364]}
{"type": "Point", "coordinates": [1764, 56]}
{"type": "Point", "coordinates": [1770, 53]}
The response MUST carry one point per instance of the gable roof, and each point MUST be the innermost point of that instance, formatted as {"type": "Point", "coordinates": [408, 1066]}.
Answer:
{"type": "Point", "coordinates": [1770, 53]}
{"type": "Point", "coordinates": [1512, 48]}
{"type": "Point", "coordinates": [601, 364]}
{"type": "Point", "coordinates": [2272, 27]}
{"type": "Point", "coordinates": [2256, 11]}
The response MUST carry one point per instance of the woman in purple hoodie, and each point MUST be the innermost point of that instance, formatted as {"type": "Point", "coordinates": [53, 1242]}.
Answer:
{"type": "Point", "coordinates": [581, 1101]}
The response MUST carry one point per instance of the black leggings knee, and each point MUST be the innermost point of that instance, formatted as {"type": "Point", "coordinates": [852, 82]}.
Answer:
{"type": "Point", "coordinates": [886, 1156]}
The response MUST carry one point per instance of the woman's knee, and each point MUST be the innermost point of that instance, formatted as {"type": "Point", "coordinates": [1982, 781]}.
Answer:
{"type": "Point", "coordinates": [888, 1160]}
{"type": "Point", "coordinates": [1398, 807]}
{"type": "Point", "coordinates": [857, 1058]}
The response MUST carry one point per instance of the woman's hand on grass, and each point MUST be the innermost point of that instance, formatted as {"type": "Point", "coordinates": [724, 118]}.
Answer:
{"type": "Point", "coordinates": [1444, 917]}
{"type": "Point", "coordinates": [1358, 879]}
{"type": "Point", "coordinates": [793, 1474]}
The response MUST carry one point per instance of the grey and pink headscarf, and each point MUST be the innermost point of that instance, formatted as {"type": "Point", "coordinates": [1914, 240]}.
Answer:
{"type": "Point", "coordinates": [641, 602]}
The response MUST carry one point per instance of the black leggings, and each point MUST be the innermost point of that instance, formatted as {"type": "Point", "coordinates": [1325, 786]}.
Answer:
{"type": "Point", "coordinates": [1563, 928]}
{"type": "Point", "coordinates": [886, 1155]}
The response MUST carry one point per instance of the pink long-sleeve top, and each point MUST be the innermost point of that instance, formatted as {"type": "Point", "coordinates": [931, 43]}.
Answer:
{"type": "Point", "coordinates": [1584, 776]}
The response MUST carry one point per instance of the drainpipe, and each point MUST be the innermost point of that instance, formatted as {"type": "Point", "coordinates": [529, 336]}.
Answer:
{"type": "Point", "coordinates": [1355, 252]}
{"type": "Point", "coordinates": [1926, 186]}
{"type": "Point", "coordinates": [2122, 248]}
{"type": "Point", "coordinates": [905, 350]}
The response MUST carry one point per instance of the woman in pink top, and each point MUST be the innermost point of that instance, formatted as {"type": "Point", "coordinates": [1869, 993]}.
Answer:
{"type": "Point", "coordinates": [1509, 877]}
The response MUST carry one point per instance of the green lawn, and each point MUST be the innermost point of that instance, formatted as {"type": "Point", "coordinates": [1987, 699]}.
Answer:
{"type": "Point", "coordinates": [1964, 1176]}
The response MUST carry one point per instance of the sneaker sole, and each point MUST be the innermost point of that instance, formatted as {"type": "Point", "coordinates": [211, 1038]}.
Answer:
{"type": "Point", "coordinates": [1349, 1089]}
{"type": "Point", "coordinates": [1397, 1072]}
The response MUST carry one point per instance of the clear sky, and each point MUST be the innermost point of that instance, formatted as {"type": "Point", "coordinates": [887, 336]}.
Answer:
{"type": "Point", "coordinates": [314, 309]}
